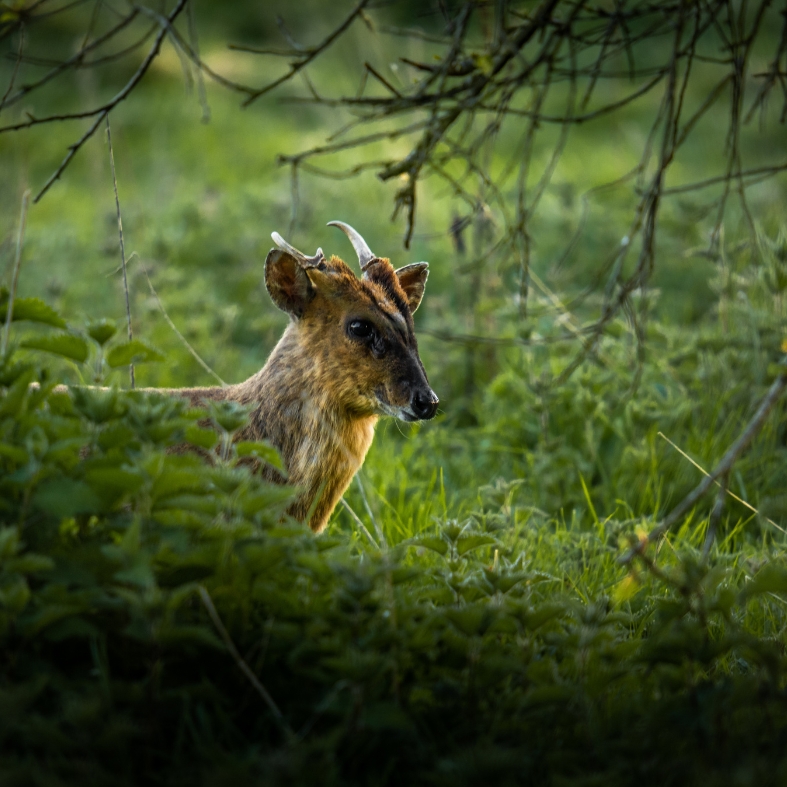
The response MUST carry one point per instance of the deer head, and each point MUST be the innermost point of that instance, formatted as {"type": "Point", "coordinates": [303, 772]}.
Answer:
{"type": "Point", "coordinates": [358, 332]}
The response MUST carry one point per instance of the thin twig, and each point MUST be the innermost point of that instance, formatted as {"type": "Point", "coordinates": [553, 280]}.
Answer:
{"type": "Point", "coordinates": [15, 71]}
{"type": "Point", "coordinates": [118, 97]}
{"type": "Point", "coordinates": [122, 245]}
{"type": "Point", "coordinates": [73, 61]}
{"type": "Point", "coordinates": [194, 39]}
{"type": "Point", "coordinates": [172, 325]}
{"type": "Point", "coordinates": [756, 172]}
{"type": "Point", "coordinates": [244, 667]}
{"type": "Point", "coordinates": [72, 151]}
{"type": "Point", "coordinates": [308, 55]}
{"type": "Point", "coordinates": [9, 315]}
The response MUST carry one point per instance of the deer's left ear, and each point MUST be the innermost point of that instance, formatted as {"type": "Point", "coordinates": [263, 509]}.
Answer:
{"type": "Point", "coordinates": [412, 279]}
{"type": "Point", "coordinates": [287, 282]}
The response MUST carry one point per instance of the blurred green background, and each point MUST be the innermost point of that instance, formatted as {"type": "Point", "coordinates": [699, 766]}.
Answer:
{"type": "Point", "coordinates": [575, 463]}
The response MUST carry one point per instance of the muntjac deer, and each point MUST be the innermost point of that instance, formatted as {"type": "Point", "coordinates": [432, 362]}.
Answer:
{"type": "Point", "coordinates": [348, 356]}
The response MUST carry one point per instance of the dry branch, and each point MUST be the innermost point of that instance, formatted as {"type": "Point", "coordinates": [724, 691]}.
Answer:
{"type": "Point", "coordinates": [722, 468]}
{"type": "Point", "coordinates": [98, 113]}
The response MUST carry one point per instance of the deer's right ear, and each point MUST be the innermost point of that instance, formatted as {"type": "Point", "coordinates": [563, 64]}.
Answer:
{"type": "Point", "coordinates": [287, 283]}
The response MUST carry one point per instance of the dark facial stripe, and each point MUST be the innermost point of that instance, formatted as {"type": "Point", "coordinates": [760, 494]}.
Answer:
{"type": "Point", "coordinates": [385, 278]}
{"type": "Point", "coordinates": [403, 333]}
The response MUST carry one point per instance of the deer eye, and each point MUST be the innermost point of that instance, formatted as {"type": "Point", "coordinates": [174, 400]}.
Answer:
{"type": "Point", "coordinates": [360, 329]}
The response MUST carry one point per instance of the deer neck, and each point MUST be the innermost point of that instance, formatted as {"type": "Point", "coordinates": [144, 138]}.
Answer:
{"type": "Point", "coordinates": [294, 407]}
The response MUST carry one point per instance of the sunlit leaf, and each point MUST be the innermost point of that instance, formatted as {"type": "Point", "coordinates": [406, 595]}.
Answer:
{"type": "Point", "coordinates": [30, 309]}
{"type": "Point", "coordinates": [66, 345]}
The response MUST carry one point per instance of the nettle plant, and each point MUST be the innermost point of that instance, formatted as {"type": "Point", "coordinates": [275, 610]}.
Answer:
{"type": "Point", "coordinates": [90, 352]}
{"type": "Point", "coordinates": [162, 620]}
{"type": "Point", "coordinates": [86, 447]}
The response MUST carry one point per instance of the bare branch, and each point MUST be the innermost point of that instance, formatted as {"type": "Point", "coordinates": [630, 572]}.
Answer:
{"type": "Point", "coordinates": [101, 112]}
{"type": "Point", "coordinates": [722, 468]}
{"type": "Point", "coordinates": [308, 55]}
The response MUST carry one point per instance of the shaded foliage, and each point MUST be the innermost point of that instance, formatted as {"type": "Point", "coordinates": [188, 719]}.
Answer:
{"type": "Point", "coordinates": [150, 600]}
{"type": "Point", "coordinates": [127, 571]}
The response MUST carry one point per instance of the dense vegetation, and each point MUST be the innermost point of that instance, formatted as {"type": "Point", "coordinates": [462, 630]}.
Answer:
{"type": "Point", "coordinates": [467, 618]}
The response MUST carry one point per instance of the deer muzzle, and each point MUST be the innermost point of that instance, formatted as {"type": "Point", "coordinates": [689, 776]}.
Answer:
{"type": "Point", "coordinates": [424, 404]}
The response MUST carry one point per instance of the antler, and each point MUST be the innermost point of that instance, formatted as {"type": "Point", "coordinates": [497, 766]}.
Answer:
{"type": "Point", "coordinates": [308, 262]}
{"type": "Point", "coordinates": [365, 255]}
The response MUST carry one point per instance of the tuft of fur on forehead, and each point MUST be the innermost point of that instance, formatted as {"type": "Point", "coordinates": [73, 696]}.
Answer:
{"type": "Point", "coordinates": [379, 280]}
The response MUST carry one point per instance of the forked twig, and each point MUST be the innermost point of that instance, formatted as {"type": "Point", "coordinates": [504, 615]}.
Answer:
{"type": "Point", "coordinates": [308, 55]}
{"type": "Point", "coordinates": [101, 112]}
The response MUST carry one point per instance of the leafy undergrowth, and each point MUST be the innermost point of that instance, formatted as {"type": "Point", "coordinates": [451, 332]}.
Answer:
{"type": "Point", "coordinates": [161, 622]}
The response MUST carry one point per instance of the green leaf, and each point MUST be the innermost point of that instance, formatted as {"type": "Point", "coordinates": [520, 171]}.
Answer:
{"type": "Point", "coordinates": [468, 543]}
{"type": "Point", "coordinates": [101, 331]}
{"type": "Point", "coordinates": [115, 435]}
{"type": "Point", "coordinates": [66, 345]}
{"type": "Point", "coordinates": [9, 541]}
{"type": "Point", "coordinates": [31, 309]}
{"type": "Point", "coordinates": [228, 415]}
{"type": "Point", "coordinates": [262, 450]}
{"type": "Point", "coordinates": [71, 628]}
{"type": "Point", "coordinates": [114, 480]}
{"type": "Point", "coordinates": [15, 397]}
{"type": "Point", "coordinates": [14, 453]}
{"type": "Point", "coordinates": [435, 543]}
{"type": "Point", "coordinates": [771, 578]}
{"type": "Point", "coordinates": [15, 594]}
{"type": "Point", "coordinates": [135, 351]}
{"type": "Point", "coordinates": [30, 563]}
{"type": "Point", "coordinates": [201, 438]}
{"type": "Point", "coordinates": [472, 619]}
{"type": "Point", "coordinates": [96, 404]}
{"type": "Point", "coordinates": [139, 574]}
{"type": "Point", "coordinates": [173, 481]}
{"type": "Point", "coordinates": [65, 497]}
{"type": "Point", "coordinates": [190, 635]}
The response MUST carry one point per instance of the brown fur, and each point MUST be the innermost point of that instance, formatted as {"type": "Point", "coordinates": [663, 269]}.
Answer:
{"type": "Point", "coordinates": [321, 392]}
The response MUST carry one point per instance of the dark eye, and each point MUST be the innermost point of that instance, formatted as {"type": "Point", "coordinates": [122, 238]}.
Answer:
{"type": "Point", "coordinates": [360, 329]}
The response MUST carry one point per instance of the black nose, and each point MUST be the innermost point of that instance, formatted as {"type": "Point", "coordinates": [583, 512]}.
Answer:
{"type": "Point", "coordinates": [425, 404]}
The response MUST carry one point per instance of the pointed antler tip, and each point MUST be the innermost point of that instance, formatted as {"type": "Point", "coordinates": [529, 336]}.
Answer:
{"type": "Point", "coordinates": [365, 254]}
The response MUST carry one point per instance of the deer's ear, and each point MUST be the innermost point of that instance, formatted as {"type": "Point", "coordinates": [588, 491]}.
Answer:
{"type": "Point", "coordinates": [287, 283]}
{"type": "Point", "coordinates": [412, 279]}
